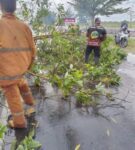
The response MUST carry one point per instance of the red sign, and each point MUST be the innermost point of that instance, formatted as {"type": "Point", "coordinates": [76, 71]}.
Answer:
{"type": "Point", "coordinates": [69, 20]}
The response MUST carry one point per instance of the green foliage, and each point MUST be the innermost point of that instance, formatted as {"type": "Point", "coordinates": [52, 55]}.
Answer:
{"type": "Point", "coordinates": [63, 60]}
{"type": "Point", "coordinates": [112, 56]}
{"type": "Point", "coordinates": [37, 81]}
{"type": "Point", "coordinates": [60, 14]}
{"type": "Point", "coordinates": [3, 129]}
{"type": "Point", "coordinates": [29, 144]}
{"type": "Point", "coordinates": [83, 97]}
{"type": "Point", "coordinates": [36, 18]}
{"type": "Point", "coordinates": [74, 29]}
{"type": "Point", "coordinates": [87, 97]}
{"type": "Point", "coordinates": [36, 69]}
{"type": "Point", "coordinates": [71, 79]}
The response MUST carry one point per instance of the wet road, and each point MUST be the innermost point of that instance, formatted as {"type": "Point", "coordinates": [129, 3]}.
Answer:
{"type": "Point", "coordinates": [62, 126]}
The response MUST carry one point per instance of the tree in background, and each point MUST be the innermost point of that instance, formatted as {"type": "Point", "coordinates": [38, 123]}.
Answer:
{"type": "Point", "coordinates": [91, 8]}
{"type": "Point", "coordinates": [63, 13]}
{"type": "Point", "coordinates": [33, 12]}
{"type": "Point", "coordinates": [60, 14]}
{"type": "Point", "coordinates": [40, 14]}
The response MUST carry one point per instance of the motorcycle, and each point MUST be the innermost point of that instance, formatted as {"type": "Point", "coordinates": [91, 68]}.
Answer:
{"type": "Point", "coordinates": [121, 38]}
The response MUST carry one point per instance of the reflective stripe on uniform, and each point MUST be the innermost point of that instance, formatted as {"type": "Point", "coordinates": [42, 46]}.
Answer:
{"type": "Point", "coordinates": [14, 49]}
{"type": "Point", "coordinates": [30, 110]}
{"type": "Point", "coordinates": [11, 78]}
{"type": "Point", "coordinates": [18, 114]}
{"type": "Point", "coordinates": [25, 94]}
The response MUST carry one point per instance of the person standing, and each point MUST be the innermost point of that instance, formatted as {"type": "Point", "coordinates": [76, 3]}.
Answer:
{"type": "Point", "coordinates": [17, 53]}
{"type": "Point", "coordinates": [95, 36]}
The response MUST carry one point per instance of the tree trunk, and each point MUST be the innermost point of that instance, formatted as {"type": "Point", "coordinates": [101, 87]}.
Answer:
{"type": "Point", "coordinates": [92, 20]}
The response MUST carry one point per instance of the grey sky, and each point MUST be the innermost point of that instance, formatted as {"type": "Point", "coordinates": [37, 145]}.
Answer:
{"type": "Point", "coordinates": [118, 17]}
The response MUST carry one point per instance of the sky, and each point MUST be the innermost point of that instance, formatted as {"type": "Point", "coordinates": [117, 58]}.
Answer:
{"type": "Point", "coordinates": [118, 17]}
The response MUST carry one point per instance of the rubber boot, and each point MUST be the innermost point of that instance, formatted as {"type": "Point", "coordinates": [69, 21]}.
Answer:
{"type": "Point", "coordinates": [20, 135]}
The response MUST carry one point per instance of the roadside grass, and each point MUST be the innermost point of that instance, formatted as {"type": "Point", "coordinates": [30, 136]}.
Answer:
{"type": "Point", "coordinates": [131, 45]}
{"type": "Point", "coordinates": [114, 25]}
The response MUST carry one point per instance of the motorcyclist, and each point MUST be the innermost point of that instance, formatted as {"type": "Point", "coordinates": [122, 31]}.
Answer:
{"type": "Point", "coordinates": [124, 28]}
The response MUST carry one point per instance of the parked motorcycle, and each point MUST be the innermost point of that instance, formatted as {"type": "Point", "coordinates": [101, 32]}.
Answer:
{"type": "Point", "coordinates": [121, 38]}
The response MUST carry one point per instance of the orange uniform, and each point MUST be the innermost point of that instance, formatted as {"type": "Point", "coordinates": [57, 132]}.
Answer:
{"type": "Point", "coordinates": [17, 51]}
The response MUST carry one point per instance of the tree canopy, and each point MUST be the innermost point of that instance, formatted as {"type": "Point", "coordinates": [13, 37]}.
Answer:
{"type": "Point", "coordinates": [91, 8]}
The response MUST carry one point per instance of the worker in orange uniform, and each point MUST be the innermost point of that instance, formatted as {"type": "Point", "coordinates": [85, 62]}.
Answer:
{"type": "Point", "coordinates": [17, 52]}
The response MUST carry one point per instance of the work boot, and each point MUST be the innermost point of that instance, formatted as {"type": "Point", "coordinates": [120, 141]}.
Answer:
{"type": "Point", "coordinates": [20, 135]}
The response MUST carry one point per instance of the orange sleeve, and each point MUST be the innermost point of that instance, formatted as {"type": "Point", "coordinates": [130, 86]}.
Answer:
{"type": "Point", "coordinates": [31, 41]}
{"type": "Point", "coordinates": [31, 44]}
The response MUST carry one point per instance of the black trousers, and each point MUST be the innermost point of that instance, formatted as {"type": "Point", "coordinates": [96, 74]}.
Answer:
{"type": "Point", "coordinates": [88, 51]}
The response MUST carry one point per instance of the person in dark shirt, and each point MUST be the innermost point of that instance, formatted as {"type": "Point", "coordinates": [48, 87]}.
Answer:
{"type": "Point", "coordinates": [96, 35]}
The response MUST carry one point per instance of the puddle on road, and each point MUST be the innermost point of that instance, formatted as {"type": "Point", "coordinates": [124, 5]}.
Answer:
{"type": "Point", "coordinates": [128, 67]}
{"type": "Point", "coordinates": [131, 58]}
{"type": "Point", "coordinates": [63, 126]}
